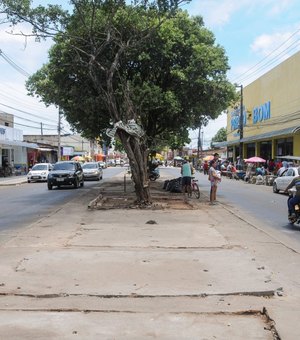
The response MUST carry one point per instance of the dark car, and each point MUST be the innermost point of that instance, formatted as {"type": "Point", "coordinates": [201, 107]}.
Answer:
{"type": "Point", "coordinates": [65, 173]}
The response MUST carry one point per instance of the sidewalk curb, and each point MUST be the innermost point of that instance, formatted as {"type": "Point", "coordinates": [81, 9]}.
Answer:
{"type": "Point", "coordinates": [7, 184]}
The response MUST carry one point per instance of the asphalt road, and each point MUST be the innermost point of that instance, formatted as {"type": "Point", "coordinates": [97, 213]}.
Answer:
{"type": "Point", "coordinates": [257, 201]}
{"type": "Point", "coordinates": [24, 204]}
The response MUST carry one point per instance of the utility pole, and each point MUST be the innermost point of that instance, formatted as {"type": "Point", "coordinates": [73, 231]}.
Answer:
{"type": "Point", "coordinates": [241, 123]}
{"type": "Point", "coordinates": [59, 135]}
{"type": "Point", "coordinates": [199, 143]}
{"type": "Point", "coordinates": [202, 142]}
{"type": "Point", "coordinates": [42, 131]}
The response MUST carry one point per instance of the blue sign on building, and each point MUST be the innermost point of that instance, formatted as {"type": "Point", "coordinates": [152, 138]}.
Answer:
{"type": "Point", "coordinates": [262, 112]}
{"type": "Point", "coordinates": [235, 119]}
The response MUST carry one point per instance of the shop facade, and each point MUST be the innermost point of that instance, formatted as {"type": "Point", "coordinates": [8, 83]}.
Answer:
{"type": "Point", "coordinates": [13, 151]}
{"type": "Point", "coordinates": [271, 115]}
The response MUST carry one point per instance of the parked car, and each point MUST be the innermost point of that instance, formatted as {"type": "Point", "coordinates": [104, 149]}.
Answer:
{"type": "Point", "coordinates": [111, 162]}
{"type": "Point", "coordinates": [103, 164]}
{"type": "Point", "coordinates": [65, 173]}
{"type": "Point", "coordinates": [281, 182]}
{"type": "Point", "coordinates": [92, 170]}
{"type": "Point", "coordinates": [39, 172]}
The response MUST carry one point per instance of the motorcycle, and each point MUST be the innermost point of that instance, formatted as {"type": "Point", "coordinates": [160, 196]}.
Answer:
{"type": "Point", "coordinates": [295, 220]}
{"type": "Point", "coordinates": [154, 174]}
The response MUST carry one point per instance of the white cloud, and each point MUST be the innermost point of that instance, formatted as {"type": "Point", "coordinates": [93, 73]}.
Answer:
{"type": "Point", "coordinates": [267, 43]}
{"type": "Point", "coordinates": [217, 13]}
{"type": "Point", "coordinates": [214, 12]}
{"type": "Point", "coordinates": [279, 6]}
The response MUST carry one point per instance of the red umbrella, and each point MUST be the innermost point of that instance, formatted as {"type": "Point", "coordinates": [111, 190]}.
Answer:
{"type": "Point", "coordinates": [255, 160]}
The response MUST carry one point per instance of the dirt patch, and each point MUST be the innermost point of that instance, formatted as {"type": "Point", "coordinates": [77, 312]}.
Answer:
{"type": "Point", "coordinates": [120, 195]}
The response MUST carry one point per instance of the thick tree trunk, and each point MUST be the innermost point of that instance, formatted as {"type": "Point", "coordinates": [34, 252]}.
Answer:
{"type": "Point", "coordinates": [138, 156]}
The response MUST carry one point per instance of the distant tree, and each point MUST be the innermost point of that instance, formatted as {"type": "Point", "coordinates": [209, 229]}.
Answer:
{"type": "Point", "coordinates": [220, 136]}
{"type": "Point", "coordinates": [147, 63]}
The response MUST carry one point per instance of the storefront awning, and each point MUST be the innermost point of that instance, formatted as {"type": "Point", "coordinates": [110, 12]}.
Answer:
{"type": "Point", "coordinates": [267, 135]}
{"type": "Point", "coordinates": [12, 143]}
{"type": "Point", "coordinates": [288, 157]}
{"type": "Point", "coordinates": [46, 149]}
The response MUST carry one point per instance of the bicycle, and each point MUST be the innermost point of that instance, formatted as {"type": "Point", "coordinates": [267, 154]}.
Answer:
{"type": "Point", "coordinates": [194, 188]}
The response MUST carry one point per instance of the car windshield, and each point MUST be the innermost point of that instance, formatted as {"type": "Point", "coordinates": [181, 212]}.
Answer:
{"type": "Point", "coordinates": [64, 166]}
{"type": "Point", "coordinates": [40, 167]}
{"type": "Point", "coordinates": [89, 166]}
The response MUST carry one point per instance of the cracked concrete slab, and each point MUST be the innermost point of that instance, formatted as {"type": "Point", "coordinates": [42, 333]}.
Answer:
{"type": "Point", "coordinates": [222, 304]}
{"type": "Point", "coordinates": [29, 325]}
{"type": "Point", "coordinates": [88, 273]}
{"type": "Point", "coordinates": [123, 228]}
{"type": "Point", "coordinates": [141, 272]}
{"type": "Point", "coordinates": [162, 235]}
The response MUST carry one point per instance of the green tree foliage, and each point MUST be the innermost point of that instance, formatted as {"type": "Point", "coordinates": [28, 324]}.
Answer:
{"type": "Point", "coordinates": [148, 62]}
{"type": "Point", "coordinates": [220, 136]}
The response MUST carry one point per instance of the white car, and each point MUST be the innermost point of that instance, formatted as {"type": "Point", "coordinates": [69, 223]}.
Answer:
{"type": "Point", "coordinates": [281, 182]}
{"type": "Point", "coordinates": [39, 172]}
{"type": "Point", "coordinates": [92, 170]}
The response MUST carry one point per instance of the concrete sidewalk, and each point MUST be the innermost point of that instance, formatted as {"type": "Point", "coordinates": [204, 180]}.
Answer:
{"type": "Point", "coordinates": [197, 272]}
{"type": "Point", "coordinates": [13, 180]}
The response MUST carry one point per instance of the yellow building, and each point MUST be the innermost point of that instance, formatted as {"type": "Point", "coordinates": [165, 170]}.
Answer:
{"type": "Point", "coordinates": [271, 115]}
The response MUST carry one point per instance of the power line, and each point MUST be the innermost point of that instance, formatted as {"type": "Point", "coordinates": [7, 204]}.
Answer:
{"type": "Point", "coordinates": [33, 121]}
{"type": "Point", "coordinates": [240, 78]}
{"type": "Point", "coordinates": [32, 127]}
{"type": "Point", "coordinates": [267, 56]}
{"type": "Point", "coordinates": [28, 113]}
{"type": "Point", "coordinates": [9, 96]}
{"type": "Point", "coordinates": [13, 64]}
{"type": "Point", "coordinates": [272, 61]}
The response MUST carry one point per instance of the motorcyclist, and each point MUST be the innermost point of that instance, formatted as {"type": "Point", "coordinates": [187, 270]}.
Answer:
{"type": "Point", "coordinates": [295, 199]}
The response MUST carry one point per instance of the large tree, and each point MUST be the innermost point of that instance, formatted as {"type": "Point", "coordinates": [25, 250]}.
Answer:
{"type": "Point", "coordinates": [148, 70]}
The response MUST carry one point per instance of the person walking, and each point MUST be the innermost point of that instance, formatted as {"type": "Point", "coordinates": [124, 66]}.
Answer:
{"type": "Point", "coordinates": [186, 172]}
{"type": "Point", "coordinates": [214, 179]}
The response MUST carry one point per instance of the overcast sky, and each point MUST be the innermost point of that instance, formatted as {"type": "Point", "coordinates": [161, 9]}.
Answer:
{"type": "Point", "coordinates": [256, 35]}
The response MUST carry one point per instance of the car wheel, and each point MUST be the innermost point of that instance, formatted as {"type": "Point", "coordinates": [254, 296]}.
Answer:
{"type": "Point", "coordinates": [275, 190]}
{"type": "Point", "coordinates": [28, 181]}
{"type": "Point", "coordinates": [50, 186]}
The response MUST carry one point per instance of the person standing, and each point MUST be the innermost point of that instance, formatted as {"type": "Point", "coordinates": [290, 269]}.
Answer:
{"type": "Point", "coordinates": [217, 159]}
{"type": "Point", "coordinates": [271, 166]}
{"type": "Point", "coordinates": [214, 179]}
{"type": "Point", "coordinates": [186, 172]}
{"type": "Point", "coordinates": [205, 168]}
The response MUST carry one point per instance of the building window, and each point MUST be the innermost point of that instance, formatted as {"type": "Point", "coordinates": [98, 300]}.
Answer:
{"type": "Point", "coordinates": [284, 147]}
{"type": "Point", "coordinates": [250, 150]}
{"type": "Point", "coordinates": [266, 150]}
